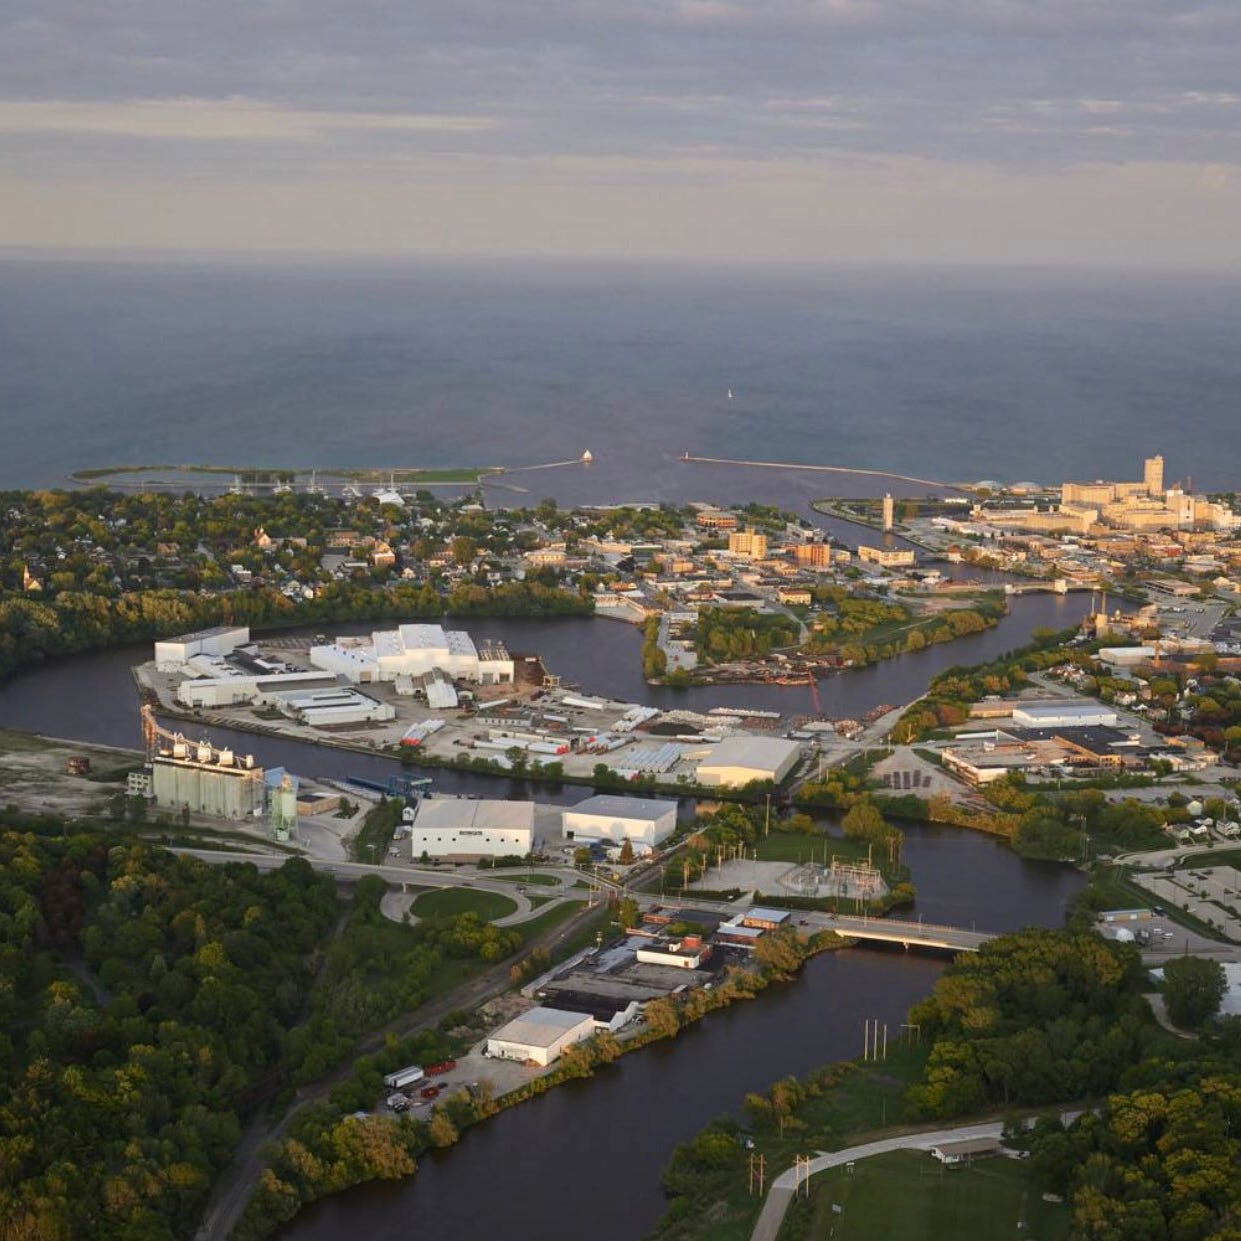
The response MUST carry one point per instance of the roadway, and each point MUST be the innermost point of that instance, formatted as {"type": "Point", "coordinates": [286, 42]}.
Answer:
{"type": "Point", "coordinates": [876, 930]}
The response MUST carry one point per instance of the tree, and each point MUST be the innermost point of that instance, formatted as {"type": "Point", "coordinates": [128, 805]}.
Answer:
{"type": "Point", "coordinates": [626, 852]}
{"type": "Point", "coordinates": [1193, 989]}
{"type": "Point", "coordinates": [627, 913]}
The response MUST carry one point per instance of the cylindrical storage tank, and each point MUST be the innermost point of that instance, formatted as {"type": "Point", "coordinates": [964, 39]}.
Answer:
{"type": "Point", "coordinates": [179, 749]}
{"type": "Point", "coordinates": [204, 753]}
{"type": "Point", "coordinates": [225, 758]}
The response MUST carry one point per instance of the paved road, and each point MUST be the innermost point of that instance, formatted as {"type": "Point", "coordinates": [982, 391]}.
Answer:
{"type": "Point", "coordinates": [781, 1192]}
{"type": "Point", "coordinates": [887, 930]}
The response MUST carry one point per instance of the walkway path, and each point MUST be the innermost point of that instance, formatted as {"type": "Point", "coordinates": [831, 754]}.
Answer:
{"type": "Point", "coordinates": [781, 1192]}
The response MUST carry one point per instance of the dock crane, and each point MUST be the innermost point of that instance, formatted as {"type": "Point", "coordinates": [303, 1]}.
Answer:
{"type": "Point", "coordinates": [814, 695]}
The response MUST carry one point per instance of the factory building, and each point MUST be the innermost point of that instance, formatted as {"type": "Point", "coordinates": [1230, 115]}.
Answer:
{"type": "Point", "coordinates": [1065, 714]}
{"type": "Point", "coordinates": [466, 828]}
{"type": "Point", "coordinates": [227, 686]}
{"type": "Point", "coordinates": [642, 821]}
{"type": "Point", "coordinates": [171, 653]}
{"type": "Point", "coordinates": [208, 781]}
{"type": "Point", "coordinates": [414, 651]}
{"type": "Point", "coordinates": [334, 706]}
{"type": "Point", "coordinates": [540, 1035]}
{"type": "Point", "coordinates": [741, 760]}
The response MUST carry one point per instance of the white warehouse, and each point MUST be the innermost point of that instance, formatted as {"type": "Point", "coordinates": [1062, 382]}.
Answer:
{"type": "Point", "coordinates": [540, 1035]}
{"type": "Point", "coordinates": [741, 760]}
{"type": "Point", "coordinates": [1067, 713]}
{"type": "Point", "coordinates": [414, 651]}
{"type": "Point", "coordinates": [641, 820]}
{"type": "Point", "coordinates": [171, 653]}
{"type": "Point", "coordinates": [466, 827]}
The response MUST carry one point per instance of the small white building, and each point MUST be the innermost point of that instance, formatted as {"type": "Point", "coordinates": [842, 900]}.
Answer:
{"type": "Point", "coordinates": [465, 827]}
{"type": "Point", "coordinates": [171, 653]}
{"type": "Point", "coordinates": [741, 760]}
{"type": "Point", "coordinates": [540, 1035]}
{"type": "Point", "coordinates": [643, 821]}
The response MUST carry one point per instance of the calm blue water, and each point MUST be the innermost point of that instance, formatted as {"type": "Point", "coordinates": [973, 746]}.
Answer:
{"type": "Point", "coordinates": [952, 375]}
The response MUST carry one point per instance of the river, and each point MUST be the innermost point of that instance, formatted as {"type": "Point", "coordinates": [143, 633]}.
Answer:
{"type": "Point", "coordinates": [587, 1157]}
{"type": "Point", "coordinates": [94, 697]}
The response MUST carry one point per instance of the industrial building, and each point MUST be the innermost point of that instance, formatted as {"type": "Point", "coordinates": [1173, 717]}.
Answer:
{"type": "Point", "coordinates": [333, 707]}
{"type": "Point", "coordinates": [414, 651]}
{"type": "Point", "coordinates": [641, 821]}
{"type": "Point", "coordinates": [171, 653]}
{"type": "Point", "coordinates": [683, 954]}
{"type": "Point", "coordinates": [742, 760]}
{"type": "Point", "coordinates": [1067, 713]}
{"type": "Point", "coordinates": [208, 781]}
{"type": "Point", "coordinates": [467, 828]}
{"type": "Point", "coordinates": [540, 1035]}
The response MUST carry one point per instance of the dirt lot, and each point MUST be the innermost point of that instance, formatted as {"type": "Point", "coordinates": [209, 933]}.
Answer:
{"type": "Point", "coordinates": [33, 774]}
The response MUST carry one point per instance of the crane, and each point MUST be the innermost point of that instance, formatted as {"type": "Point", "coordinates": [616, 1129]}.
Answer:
{"type": "Point", "coordinates": [814, 695]}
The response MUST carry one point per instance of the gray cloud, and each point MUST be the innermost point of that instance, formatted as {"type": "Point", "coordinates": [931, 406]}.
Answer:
{"type": "Point", "coordinates": [631, 89]}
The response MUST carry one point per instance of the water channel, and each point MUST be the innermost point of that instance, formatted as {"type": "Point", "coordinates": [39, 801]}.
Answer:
{"type": "Point", "coordinates": [588, 1156]}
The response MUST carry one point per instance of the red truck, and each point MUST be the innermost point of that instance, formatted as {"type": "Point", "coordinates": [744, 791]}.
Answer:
{"type": "Point", "coordinates": [437, 1070]}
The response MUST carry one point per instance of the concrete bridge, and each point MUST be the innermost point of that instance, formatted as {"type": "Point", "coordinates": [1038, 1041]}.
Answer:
{"type": "Point", "coordinates": [908, 934]}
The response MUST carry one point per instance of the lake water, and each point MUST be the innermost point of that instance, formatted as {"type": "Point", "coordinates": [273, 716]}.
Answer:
{"type": "Point", "coordinates": [955, 375]}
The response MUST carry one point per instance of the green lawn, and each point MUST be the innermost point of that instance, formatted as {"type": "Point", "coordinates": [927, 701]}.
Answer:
{"type": "Point", "coordinates": [526, 878]}
{"type": "Point", "coordinates": [803, 847]}
{"type": "Point", "coordinates": [448, 902]}
{"type": "Point", "coordinates": [909, 1196]}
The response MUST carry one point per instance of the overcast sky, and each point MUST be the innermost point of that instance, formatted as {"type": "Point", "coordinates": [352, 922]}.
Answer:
{"type": "Point", "coordinates": [1102, 131]}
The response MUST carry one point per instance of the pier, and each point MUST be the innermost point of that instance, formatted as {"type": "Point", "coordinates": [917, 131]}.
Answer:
{"type": "Point", "coordinates": [826, 469]}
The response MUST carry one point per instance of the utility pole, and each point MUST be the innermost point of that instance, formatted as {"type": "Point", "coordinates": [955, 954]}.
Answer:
{"type": "Point", "coordinates": [801, 1175]}
{"type": "Point", "coordinates": [758, 1172]}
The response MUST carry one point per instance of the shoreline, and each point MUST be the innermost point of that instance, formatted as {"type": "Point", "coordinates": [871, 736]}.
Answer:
{"type": "Point", "coordinates": [595, 1053]}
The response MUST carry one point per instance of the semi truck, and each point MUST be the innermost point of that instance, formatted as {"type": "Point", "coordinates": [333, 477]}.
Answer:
{"type": "Point", "coordinates": [404, 1077]}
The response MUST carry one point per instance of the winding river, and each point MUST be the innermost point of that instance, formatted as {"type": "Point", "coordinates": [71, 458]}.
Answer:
{"type": "Point", "coordinates": [587, 1157]}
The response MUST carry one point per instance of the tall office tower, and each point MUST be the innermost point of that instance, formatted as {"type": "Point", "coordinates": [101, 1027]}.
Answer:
{"type": "Point", "coordinates": [889, 512]}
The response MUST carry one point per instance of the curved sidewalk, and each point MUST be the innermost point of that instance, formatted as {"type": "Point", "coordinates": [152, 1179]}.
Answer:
{"type": "Point", "coordinates": [781, 1192]}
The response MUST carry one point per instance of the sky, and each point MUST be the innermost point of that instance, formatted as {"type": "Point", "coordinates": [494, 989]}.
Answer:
{"type": "Point", "coordinates": [1097, 132]}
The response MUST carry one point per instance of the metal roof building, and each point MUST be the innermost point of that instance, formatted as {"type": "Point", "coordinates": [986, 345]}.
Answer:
{"type": "Point", "coordinates": [468, 827]}
{"type": "Point", "coordinates": [606, 816]}
{"type": "Point", "coordinates": [540, 1035]}
{"type": "Point", "coordinates": [740, 760]}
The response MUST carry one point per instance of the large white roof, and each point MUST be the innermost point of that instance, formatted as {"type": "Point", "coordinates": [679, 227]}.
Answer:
{"type": "Point", "coordinates": [609, 805]}
{"type": "Point", "coordinates": [540, 1027]}
{"type": "Point", "coordinates": [454, 813]}
{"type": "Point", "coordinates": [766, 753]}
{"type": "Point", "coordinates": [423, 637]}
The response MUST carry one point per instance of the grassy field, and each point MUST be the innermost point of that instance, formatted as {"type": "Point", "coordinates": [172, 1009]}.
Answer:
{"type": "Point", "coordinates": [804, 847]}
{"type": "Point", "coordinates": [908, 1196]}
{"type": "Point", "coordinates": [22, 743]}
{"type": "Point", "coordinates": [448, 902]}
{"type": "Point", "coordinates": [526, 878]}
